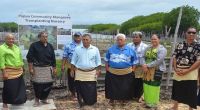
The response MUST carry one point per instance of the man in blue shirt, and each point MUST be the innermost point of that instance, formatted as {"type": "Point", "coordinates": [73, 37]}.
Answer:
{"type": "Point", "coordinates": [86, 63]}
{"type": "Point", "coordinates": [120, 65]}
{"type": "Point", "coordinates": [67, 56]}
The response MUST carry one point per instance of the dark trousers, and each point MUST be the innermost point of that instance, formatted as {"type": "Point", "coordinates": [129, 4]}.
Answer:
{"type": "Point", "coordinates": [42, 90]}
{"type": "Point", "coordinates": [71, 82]}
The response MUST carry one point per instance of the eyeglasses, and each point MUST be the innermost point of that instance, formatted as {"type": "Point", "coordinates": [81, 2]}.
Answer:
{"type": "Point", "coordinates": [189, 32]}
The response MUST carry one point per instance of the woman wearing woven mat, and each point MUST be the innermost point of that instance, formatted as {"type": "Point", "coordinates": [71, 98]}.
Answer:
{"type": "Point", "coordinates": [120, 66]}
{"type": "Point", "coordinates": [11, 64]}
{"type": "Point", "coordinates": [153, 67]}
{"type": "Point", "coordinates": [186, 61]}
{"type": "Point", "coordinates": [198, 97]}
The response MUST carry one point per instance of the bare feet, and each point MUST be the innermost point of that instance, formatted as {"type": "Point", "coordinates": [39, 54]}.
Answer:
{"type": "Point", "coordinates": [73, 97]}
{"type": "Point", "coordinates": [172, 108]}
{"type": "Point", "coordinates": [141, 99]}
{"type": "Point", "coordinates": [175, 106]}
{"type": "Point", "coordinates": [5, 107]}
{"type": "Point", "coordinates": [111, 102]}
{"type": "Point", "coordinates": [45, 101]}
{"type": "Point", "coordinates": [143, 105]}
{"type": "Point", "coordinates": [36, 103]}
{"type": "Point", "coordinates": [123, 102]}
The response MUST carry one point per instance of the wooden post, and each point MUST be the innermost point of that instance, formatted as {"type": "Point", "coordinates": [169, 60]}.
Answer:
{"type": "Point", "coordinates": [167, 32]}
{"type": "Point", "coordinates": [117, 31]}
{"type": "Point", "coordinates": [174, 44]}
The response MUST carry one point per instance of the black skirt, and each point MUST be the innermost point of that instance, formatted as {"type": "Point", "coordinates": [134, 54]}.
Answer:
{"type": "Point", "coordinates": [86, 92]}
{"type": "Point", "coordinates": [198, 98]}
{"type": "Point", "coordinates": [138, 88]}
{"type": "Point", "coordinates": [119, 87]}
{"type": "Point", "coordinates": [14, 91]}
{"type": "Point", "coordinates": [185, 92]}
{"type": "Point", "coordinates": [42, 90]}
{"type": "Point", "coordinates": [71, 82]}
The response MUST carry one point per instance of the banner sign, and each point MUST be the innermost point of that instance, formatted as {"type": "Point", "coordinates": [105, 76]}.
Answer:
{"type": "Point", "coordinates": [58, 27]}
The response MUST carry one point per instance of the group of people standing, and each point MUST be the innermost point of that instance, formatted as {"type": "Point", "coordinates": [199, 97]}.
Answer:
{"type": "Point", "coordinates": [133, 70]}
{"type": "Point", "coordinates": [42, 67]}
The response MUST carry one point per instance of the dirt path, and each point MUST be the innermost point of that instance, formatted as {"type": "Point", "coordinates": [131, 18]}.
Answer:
{"type": "Point", "coordinates": [65, 103]}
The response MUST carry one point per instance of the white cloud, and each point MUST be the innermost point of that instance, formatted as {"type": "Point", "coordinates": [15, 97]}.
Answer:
{"type": "Point", "coordinates": [90, 11]}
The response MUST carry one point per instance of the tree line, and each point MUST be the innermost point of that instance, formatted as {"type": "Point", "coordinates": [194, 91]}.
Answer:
{"type": "Point", "coordinates": [154, 23]}
{"type": "Point", "coordinates": [12, 27]}
{"type": "Point", "coordinates": [8, 27]}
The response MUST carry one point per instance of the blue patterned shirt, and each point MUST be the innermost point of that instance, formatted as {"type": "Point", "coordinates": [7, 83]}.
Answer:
{"type": "Point", "coordinates": [69, 50]}
{"type": "Point", "coordinates": [121, 57]}
{"type": "Point", "coordinates": [86, 58]}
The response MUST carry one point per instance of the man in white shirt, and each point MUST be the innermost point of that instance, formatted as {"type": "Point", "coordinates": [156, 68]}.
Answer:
{"type": "Point", "coordinates": [139, 47]}
{"type": "Point", "coordinates": [86, 63]}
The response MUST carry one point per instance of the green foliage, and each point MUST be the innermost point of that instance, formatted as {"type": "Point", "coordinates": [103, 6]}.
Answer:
{"type": "Point", "coordinates": [190, 17]}
{"type": "Point", "coordinates": [156, 22]}
{"type": "Point", "coordinates": [166, 42]}
{"type": "Point", "coordinates": [148, 23]}
{"type": "Point", "coordinates": [8, 27]}
{"type": "Point", "coordinates": [198, 28]}
{"type": "Point", "coordinates": [155, 27]}
{"type": "Point", "coordinates": [103, 28]}
{"type": "Point", "coordinates": [58, 67]}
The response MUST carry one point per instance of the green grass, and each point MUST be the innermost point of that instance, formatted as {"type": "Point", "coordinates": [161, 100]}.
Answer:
{"type": "Point", "coordinates": [58, 67]}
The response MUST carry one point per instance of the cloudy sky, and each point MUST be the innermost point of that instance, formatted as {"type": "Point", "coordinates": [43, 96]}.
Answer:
{"type": "Point", "coordinates": [91, 11]}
